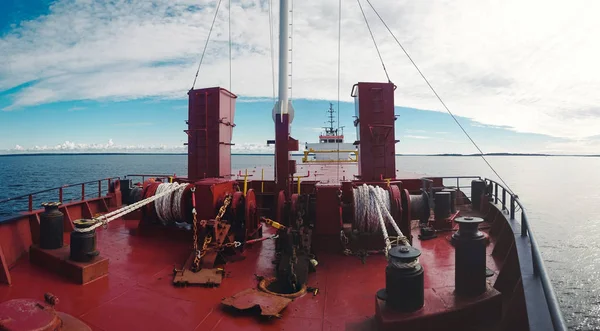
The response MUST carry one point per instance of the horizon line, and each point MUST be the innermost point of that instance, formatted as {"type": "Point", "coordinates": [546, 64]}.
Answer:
{"type": "Point", "coordinates": [293, 154]}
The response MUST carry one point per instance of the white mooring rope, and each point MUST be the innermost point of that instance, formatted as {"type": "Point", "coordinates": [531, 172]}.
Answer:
{"type": "Point", "coordinates": [177, 207]}
{"type": "Point", "coordinates": [107, 218]}
{"type": "Point", "coordinates": [168, 208]}
{"type": "Point", "coordinates": [367, 207]}
{"type": "Point", "coordinates": [371, 209]}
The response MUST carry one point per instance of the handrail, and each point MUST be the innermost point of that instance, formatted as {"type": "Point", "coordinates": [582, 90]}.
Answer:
{"type": "Point", "coordinates": [60, 191]}
{"type": "Point", "coordinates": [152, 175]}
{"type": "Point", "coordinates": [161, 176]}
{"type": "Point", "coordinates": [538, 263]}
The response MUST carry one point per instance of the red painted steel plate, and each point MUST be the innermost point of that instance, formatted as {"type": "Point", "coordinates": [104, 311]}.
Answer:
{"type": "Point", "coordinates": [28, 315]}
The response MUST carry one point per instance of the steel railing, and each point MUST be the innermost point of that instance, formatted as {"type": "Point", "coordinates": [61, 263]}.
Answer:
{"type": "Point", "coordinates": [60, 189]}
{"type": "Point", "coordinates": [163, 177]}
{"type": "Point", "coordinates": [499, 194]}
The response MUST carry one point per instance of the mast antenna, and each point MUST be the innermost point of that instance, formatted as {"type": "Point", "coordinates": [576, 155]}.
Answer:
{"type": "Point", "coordinates": [331, 130]}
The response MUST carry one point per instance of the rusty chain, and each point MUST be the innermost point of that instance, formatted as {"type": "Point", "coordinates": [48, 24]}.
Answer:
{"type": "Point", "coordinates": [195, 243]}
{"type": "Point", "coordinates": [200, 253]}
{"type": "Point", "coordinates": [223, 208]}
{"type": "Point", "coordinates": [204, 249]}
{"type": "Point", "coordinates": [195, 236]}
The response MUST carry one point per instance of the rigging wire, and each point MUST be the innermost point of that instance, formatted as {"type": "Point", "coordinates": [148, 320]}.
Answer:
{"type": "Point", "coordinates": [272, 53]}
{"type": "Point", "coordinates": [438, 96]}
{"type": "Point", "coordinates": [230, 65]}
{"type": "Point", "coordinates": [374, 42]}
{"type": "Point", "coordinates": [291, 77]}
{"type": "Point", "coordinates": [206, 45]}
{"type": "Point", "coordinates": [338, 83]}
{"type": "Point", "coordinates": [229, 22]}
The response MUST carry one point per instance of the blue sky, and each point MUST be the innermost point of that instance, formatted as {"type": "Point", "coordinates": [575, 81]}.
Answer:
{"type": "Point", "coordinates": [113, 76]}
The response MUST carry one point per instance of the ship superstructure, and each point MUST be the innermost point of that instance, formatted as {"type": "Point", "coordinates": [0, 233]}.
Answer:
{"type": "Point", "coordinates": [331, 146]}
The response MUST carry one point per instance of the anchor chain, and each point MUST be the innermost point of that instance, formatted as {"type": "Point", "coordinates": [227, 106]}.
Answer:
{"type": "Point", "coordinates": [223, 207]}
{"type": "Point", "coordinates": [200, 253]}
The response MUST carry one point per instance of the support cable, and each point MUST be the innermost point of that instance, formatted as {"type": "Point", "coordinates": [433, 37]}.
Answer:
{"type": "Point", "coordinates": [206, 45]}
{"type": "Point", "coordinates": [229, 22]}
{"type": "Point", "coordinates": [291, 50]}
{"type": "Point", "coordinates": [374, 42]}
{"type": "Point", "coordinates": [439, 98]}
{"type": "Point", "coordinates": [339, 59]}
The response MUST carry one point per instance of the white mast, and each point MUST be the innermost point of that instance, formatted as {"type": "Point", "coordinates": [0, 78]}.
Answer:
{"type": "Point", "coordinates": [283, 105]}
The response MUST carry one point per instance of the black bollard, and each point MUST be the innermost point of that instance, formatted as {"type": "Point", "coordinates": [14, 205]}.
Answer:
{"type": "Point", "coordinates": [83, 244]}
{"type": "Point", "coordinates": [478, 188]}
{"type": "Point", "coordinates": [404, 282]}
{"type": "Point", "coordinates": [442, 205]}
{"type": "Point", "coordinates": [469, 244]}
{"type": "Point", "coordinates": [452, 192]}
{"type": "Point", "coordinates": [51, 226]}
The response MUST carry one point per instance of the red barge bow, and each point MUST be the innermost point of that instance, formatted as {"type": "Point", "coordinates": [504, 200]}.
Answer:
{"type": "Point", "coordinates": [326, 246]}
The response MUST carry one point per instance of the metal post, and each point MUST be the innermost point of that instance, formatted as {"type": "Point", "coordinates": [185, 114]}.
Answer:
{"type": "Point", "coordinates": [496, 193]}
{"type": "Point", "coordinates": [30, 202]}
{"type": "Point", "coordinates": [534, 261]}
{"type": "Point", "coordinates": [523, 224]}
{"type": "Point", "coordinates": [83, 191]}
{"type": "Point", "coordinates": [512, 207]}
{"type": "Point", "coordinates": [246, 182]}
{"type": "Point", "coordinates": [99, 188]}
{"type": "Point", "coordinates": [503, 199]}
{"type": "Point", "coordinates": [60, 194]}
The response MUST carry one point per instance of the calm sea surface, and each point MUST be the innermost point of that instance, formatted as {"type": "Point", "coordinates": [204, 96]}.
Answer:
{"type": "Point", "coordinates": [561, 195]}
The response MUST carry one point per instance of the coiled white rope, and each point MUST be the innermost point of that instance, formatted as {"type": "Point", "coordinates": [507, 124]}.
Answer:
{"type": "Point", "coordinates": [178, 211]}
{"type": "Point", "coordinates": [367, 207]}
{"type": "Point", "coordinates": [168, 208]}
{"type": "Point", "coordinates": [402, 265]}
{"type": "Point", "coordinates": [107, 218]}
{"type": "Point", "coordinates": [371, 209]}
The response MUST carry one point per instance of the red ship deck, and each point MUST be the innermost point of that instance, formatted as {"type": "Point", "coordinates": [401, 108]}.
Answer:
{"type": "Point", "coordinates": [138, 292]}
{"type": "Point", "coordinates": [324, 172]}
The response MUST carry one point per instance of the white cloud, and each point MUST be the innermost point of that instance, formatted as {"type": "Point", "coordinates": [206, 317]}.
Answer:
{"type": "Point", "coordinates": [529, 65]}
{"type": "Point", "coordinates": [250, 148]}
{"type": "Point", "coordinates": [112, 147]}
{"type": "Point", "coordinates": [415, 137]}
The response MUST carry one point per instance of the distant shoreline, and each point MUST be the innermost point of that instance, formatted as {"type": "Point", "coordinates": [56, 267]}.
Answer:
{"type": "Point", "coordinates": [263, 154]}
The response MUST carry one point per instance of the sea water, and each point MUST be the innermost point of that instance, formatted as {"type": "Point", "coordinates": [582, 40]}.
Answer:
{"type": "Point", "coordinates": [560, 193]}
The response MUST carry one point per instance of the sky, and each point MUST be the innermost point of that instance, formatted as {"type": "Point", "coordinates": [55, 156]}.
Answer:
{"type": "Point", "coordinates": [113, 76]}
